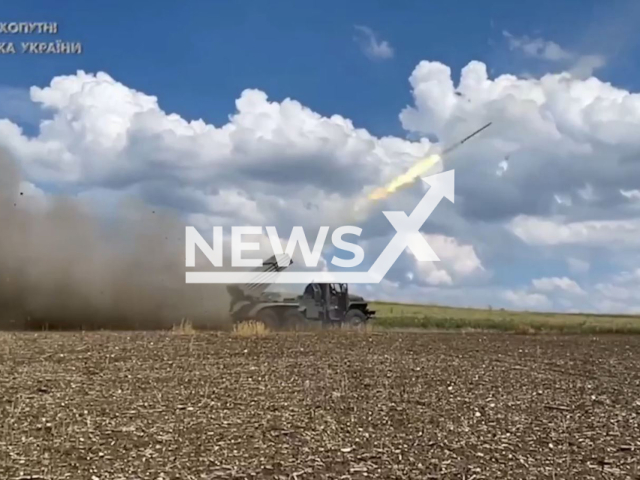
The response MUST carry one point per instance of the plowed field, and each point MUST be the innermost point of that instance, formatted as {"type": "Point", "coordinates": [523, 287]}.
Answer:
{"type": "Point", "coordinates": [156, 405]}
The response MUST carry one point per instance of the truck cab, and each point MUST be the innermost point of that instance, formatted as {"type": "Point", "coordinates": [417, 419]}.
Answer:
{"type": "Point", "coordinates": [332, 303]}
{"type": "Point", "coordinates": [328, 303]}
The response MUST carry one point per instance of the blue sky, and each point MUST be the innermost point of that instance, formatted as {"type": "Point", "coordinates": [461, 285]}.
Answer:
{"type": "Point", "coordinates": [198, 56]}
{"type": "Point", "coordinates": [108, 140]}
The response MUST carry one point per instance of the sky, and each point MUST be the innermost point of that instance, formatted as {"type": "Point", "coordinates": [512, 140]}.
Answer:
{"type": "Point", "coordinates": [287, 112]}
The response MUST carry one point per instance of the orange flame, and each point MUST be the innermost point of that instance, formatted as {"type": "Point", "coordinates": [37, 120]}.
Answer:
{"type": "Point", "coordinates": [414, 172]}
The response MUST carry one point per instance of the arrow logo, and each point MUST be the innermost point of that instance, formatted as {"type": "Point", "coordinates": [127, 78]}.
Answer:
{"type": "Point", "coordinates": [408, 227]}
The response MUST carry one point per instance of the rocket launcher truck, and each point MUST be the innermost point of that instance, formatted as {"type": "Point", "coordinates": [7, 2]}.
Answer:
{"type": "Point", "coordinates": [321, 303]}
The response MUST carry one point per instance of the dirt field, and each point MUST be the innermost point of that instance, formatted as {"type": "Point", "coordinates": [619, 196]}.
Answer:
{"type": "Point", "coordinates": [325, 405]}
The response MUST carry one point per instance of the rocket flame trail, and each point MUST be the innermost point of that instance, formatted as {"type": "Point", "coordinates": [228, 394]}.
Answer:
{"type": "Point", "coordinates": [409, 176]}
{"type": "Point", "coordinates": [418, 169]}
{"type": "Point", "coordinates": [362, 206]}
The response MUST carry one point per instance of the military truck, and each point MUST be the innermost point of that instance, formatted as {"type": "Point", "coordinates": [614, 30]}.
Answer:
{"type": "Point", "coordinates": [321, 303]}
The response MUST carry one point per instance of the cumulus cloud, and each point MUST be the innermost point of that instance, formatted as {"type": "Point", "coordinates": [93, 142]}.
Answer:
{"type": "Point", "coordinates": [556, 231]}
{"type": "Point", "coordinates": [585, 65]}
{"type": "Point", "coordinates": [271, 159]}
{"type": "Point", "coordinates": [456, 261]}
{"type": "Point", "coordinates": [503, 166]}
{"type": "Point", "coordinates": [523, 300]}
{"type": "Point", "coordinates": [537, 47]}
{"type": "Point", "coordinates": [631, 194]}
{"type": "Point", "coordinates": [565, 138]}
{"type": "Point", "coordinates": [558, 144]}
{"type": "Point", "coordinates": [619, 293]}
{"type": "Point", "coordinates": [552, 284]}
{"type": "Point", "coordinates": [371, 46]}
{"type": "Point", "coordinates": [581, 66]}
{"type": "Point", "coordinates": [15, 103]}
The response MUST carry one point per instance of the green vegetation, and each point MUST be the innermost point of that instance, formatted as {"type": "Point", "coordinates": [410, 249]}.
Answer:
{"type": "Point", "coordinates": [398, 315]}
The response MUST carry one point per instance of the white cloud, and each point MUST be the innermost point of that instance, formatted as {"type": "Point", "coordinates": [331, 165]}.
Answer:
{"type": "Point", "coordinates": [537, 47]}
{"type": "Point", "coordinates": [462, 259]}
{"type": "Point", "coordinates": [563, 200]}
{"type": "Point", "coordinates": [523, 300]}
{"type": "Point", "coordinates": [619, 293]}
{"type": "Point", "coordinates": [503, 166]}
{"type": "Point", "coordinates": [586, 65]}
{"type": "Point", "coordinates": [16, 104]}
{"type": "Point", "coordinates": [631, 194]}
{"type": "Point", "coordinates": [582, 66]}
{"type": "Point", "coordinates": [553, 284]}
{"type": "Point", "coordinates": [556, 114]}
{"type": "Point", "coordinates": [103, 134]}
{"type": "Point", "coordinates": [432, 275]}
{"type": "Point", "coordinates": [456, 261]}
{"type": "Point", "coordinates": [587, 193]}
{"type": "Point", "coordinates": [556, 231]}
{"type": "Point", "coordinates": [280, 163]}
{"type": "Point", "coordinates": [615, 292]}
{"type": "Point", "coordinates": [371, 46]}
{"type": "Point", "coordinates": [628, 277]}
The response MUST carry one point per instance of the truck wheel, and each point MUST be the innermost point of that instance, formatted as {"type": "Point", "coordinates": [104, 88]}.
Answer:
{"type": "Point", "coordinates": [355, 317]}
{"type": "Point", "coordinates": [294, 320]}
{"type": "Point", "coordinates": [269, 318]}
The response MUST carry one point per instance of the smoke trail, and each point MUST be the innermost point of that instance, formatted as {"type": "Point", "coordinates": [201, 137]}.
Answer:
{"type": "Point", "coordinates": [61, 267]}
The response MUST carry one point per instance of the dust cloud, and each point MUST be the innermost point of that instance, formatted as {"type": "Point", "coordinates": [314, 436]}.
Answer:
{"type": "Point", "coordinates": [64, 267]}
